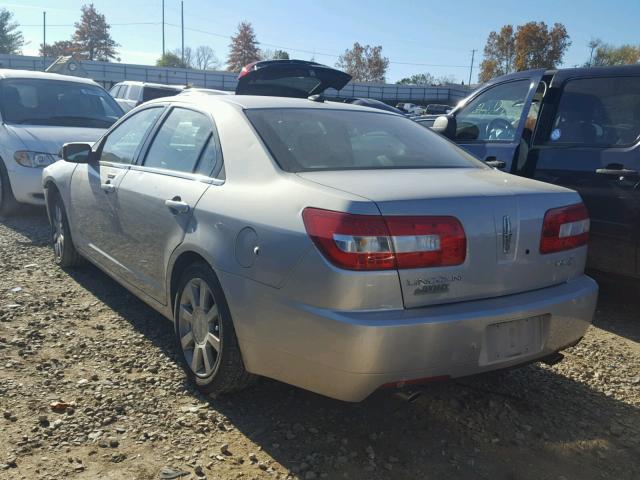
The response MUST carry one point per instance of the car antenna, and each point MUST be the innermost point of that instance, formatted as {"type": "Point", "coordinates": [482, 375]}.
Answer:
{"type": "Point", "coordinates": [316, 98]}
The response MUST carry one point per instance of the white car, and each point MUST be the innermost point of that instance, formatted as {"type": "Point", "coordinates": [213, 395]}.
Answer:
{"type": "Point", "coordinates": [40, 112]}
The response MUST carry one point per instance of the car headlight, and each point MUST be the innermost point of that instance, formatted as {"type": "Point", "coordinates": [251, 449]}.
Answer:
{"type": "Point", "coordinates": [33, 159]}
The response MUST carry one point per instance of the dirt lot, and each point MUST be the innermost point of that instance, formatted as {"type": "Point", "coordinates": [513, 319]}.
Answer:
{"type": "Point", "coordinates": [125, 412]}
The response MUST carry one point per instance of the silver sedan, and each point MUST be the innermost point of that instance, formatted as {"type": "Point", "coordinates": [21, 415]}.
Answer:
{"type": "Point", "coordinates": [334, 247]}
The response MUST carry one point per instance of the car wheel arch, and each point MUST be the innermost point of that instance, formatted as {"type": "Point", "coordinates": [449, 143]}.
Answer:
{"type": "Point", "coordinates": [180, 262]}
{"type": "Point", "coordinates": [51, 190]}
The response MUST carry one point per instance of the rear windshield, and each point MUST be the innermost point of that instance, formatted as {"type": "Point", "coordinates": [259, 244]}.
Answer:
{"type": "Point", "coordinates": [151, 93]}
{"type": "Point", "coordinates": [305, 139]}
{"type": "Point", "coordinates": [54, 102]}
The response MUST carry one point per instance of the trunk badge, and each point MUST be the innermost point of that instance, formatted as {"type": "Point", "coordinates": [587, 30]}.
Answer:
{"type": "Point", "coordinates": [507, 234]}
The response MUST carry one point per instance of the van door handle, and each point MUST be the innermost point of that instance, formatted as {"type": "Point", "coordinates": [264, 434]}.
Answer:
{"type": "Point", "coordinates": [108, 187]}
{"type": "Point", "coordinates": [494, 163]}
{"type": "Point", "coordinates": [616, 171]}
{"type": "Point", "coordinates": [177, 206]}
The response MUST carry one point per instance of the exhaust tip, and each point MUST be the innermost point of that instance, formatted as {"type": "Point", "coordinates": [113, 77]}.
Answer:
{"type": "Point", "coordinates": [409, 395]}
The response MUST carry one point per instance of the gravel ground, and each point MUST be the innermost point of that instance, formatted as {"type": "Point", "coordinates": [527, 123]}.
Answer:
{"type": "Point", "coordinates": [90, 389]}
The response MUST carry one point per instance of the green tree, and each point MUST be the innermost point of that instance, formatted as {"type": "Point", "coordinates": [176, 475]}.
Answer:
{"type": "Point", "coordinates": [280, 55]}
{"type": "Point", "coordinates": [532, 45]}
{"type": "Point", "coordinates": [364, 63]}
{"type": "Point", "coordinates": [607, 55]}
{"type": "Point", "coordinates": [243, 48]}
{"type": "Point", "coordinates": [11, 39]}
{"type": "Point", "coordinates": [417, 79]}
{"type": "Point", "coordinates": [92, 36]}
{"type": "Point", "coordinates": [171, 59]}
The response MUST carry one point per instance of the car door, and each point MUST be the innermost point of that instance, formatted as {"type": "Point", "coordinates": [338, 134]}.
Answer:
{"type": "Point", "coordinates": [588, 139]}
{"type": "Point", "coordinates": [158, 194]}
{"type": "Point", "coordinates": [490, 124]}
{"type": "Point", "coordinates": [94, 189]}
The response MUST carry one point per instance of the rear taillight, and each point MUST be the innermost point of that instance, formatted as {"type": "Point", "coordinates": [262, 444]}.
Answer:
{"type": "Point", "coordinates": [246, 69]}
{"type": "Point", "coordinates": [373, 242]}
{"type": "Point", "coordinates": [565, 228]}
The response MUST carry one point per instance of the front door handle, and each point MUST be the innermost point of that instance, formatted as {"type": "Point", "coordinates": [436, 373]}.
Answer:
{"type": "Point", "coordinates": [108, 187]}
{"type": "Point", "coordinates": [177, 206]}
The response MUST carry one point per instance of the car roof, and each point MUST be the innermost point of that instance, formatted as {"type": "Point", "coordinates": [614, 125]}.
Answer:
{"type": "Point", "coordinates": [257, 101]}
{"type": "Point", "coordinates": [154, 85]}
{"type": "Point", "coordinates": [10, 73]}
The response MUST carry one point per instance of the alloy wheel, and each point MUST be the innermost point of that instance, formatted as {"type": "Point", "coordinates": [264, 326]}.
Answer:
{"type": "Point", "coordinates": [199, 327]}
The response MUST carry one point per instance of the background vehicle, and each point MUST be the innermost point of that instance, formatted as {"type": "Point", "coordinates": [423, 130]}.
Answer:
{"type": "Point", "coordinates": [435, 108]}
{"type": "Point", "coordinates": [40, 112]}
{"type": "Point", "coordinates": [576, 127]}
{"type": "Point", "coordinates": [372, 103]}
{"type": "Point", "coordinates": [130, 94]}
{"type": "Point", "coordinates": [410, 108]}
{"type": "Point", "coordinates": [326, 245]}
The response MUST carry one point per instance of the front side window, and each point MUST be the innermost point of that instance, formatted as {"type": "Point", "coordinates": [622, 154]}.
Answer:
{"type": "Point", "coordinates": [307, 139]}
{"type": "Point", "coordinates": [123, 142]}
{"type": "Point", "coordinates": [493, 115]}
{"type": "Point", "coordinates": [598, 112]}
{"type": "Point", "coordinates": [180, 141]}
{"type": "Point", "coordinates": [31, 101]}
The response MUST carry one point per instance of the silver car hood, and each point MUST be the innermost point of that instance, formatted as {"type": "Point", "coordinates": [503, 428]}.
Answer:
{"type": "Point", "coordinates": [49, 139]}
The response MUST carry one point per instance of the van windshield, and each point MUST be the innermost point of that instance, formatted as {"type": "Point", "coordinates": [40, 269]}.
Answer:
{"type": "Point", "coordinates": [56, 103]}
{"type": "Point", "coordinates": [309, 139]}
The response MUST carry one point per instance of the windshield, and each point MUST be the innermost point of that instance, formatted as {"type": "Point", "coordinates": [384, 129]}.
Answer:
{"type": "Point", "coordinates": [306, 139]}
{"type": "Point", "coordinates": [53, 102]}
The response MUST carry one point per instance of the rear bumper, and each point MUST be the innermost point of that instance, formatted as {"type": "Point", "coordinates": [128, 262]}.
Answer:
{"type": "Point", "coordinates": [348, 355]}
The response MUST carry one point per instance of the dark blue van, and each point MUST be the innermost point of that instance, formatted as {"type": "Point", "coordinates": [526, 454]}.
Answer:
{"type": "Point", "coordinates": [579, 128]}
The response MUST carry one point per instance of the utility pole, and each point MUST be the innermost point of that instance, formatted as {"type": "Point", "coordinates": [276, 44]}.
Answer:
{"type": "Point", "coordinates": [473, 56]}
{"type": "Point", "coordinates": [182, 24]}
{"type": "Point", "coordinates": [163, 28]}
{"type": "Point", "coordinates": [44, 40]}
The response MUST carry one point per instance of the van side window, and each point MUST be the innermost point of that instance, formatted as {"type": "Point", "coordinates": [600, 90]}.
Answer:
{"type": "Point", "coordinates": [494, 115]}
{"type": "Point", "coordinates": [602, 112]}
{"type": "Point", "coordinates": [134, 92]}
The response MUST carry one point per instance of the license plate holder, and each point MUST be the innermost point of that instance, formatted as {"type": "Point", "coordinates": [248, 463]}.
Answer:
{"type": "Point", "coordinates": [505, 341]}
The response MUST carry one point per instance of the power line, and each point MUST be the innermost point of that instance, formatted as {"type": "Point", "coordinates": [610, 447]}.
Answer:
{"type": "Point", "coordinates": [271, 45]}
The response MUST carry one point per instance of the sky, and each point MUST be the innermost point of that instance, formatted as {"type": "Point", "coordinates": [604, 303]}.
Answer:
{"type": "Point", "coordinates": [417, 36]}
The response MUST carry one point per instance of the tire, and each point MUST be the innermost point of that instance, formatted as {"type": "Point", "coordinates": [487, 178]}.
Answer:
{"type": "Point", "coordinates": [64, 252]}
{"type": "Point", "coordinates": [206, 338]}
{"type": "Point", "coordinates": [8, 204]}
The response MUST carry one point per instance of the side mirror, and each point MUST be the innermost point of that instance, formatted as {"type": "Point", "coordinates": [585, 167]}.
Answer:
{"type": "Point", "coordinates": [76, 152]}
{"type": "Point", "coordinates": [445, 125]}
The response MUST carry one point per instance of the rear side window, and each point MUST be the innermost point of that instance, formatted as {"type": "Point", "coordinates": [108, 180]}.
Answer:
{"type": "Point", "coordinates": [123, 142]}
{"type": "Point", "coordinates": [134, 92]}
{"type": "Point", "coordinates": [306, 139]}
{"type": "Point", "coordinates": [180, 141]}
{"type": "Point", "coordinates": [151, 93]}
{"type": "Point", "coordinates": [602, 112]}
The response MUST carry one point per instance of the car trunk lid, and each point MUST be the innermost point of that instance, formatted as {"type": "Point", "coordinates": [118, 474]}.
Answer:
{"type": "Point", "coordinates": [502, 216]}
{"type": "Point", "coordinates": [289, 78]}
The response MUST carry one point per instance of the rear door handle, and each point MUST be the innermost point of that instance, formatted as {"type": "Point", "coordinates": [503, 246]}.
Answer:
{"type": "Point", "coordinates": [177, 206]}
{"type": "Point", "coordinates": [492, 162]}
{"type": "Point", "coordinates": [108, 187]}
{"type": "Point", "coordinates": [616, 171]}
